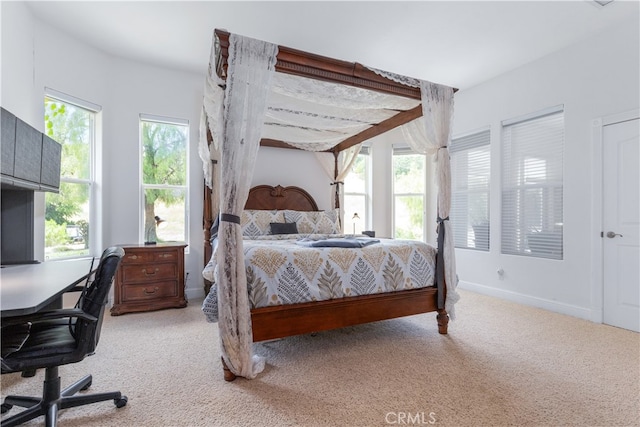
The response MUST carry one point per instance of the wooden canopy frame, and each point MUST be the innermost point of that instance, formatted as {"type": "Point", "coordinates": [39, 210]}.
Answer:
{"type": "Point", "coordinates": [305, 64]}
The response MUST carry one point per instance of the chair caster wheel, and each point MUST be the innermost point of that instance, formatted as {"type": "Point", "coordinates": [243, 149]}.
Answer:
{"type": "Point", "coordinates": [28, 373]}
{"type": "Point", "coordinates": [6, 407]}
{"type": "Point", "coordinates": [121, 402]}
{"type": "Point", "coordinates": [87, 386]}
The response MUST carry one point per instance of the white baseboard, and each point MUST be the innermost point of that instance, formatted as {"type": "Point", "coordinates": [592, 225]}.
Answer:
{"type": "Point", "coordinates": [554, 306]}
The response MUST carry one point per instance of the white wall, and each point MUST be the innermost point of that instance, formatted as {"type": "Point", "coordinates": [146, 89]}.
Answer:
{"type": "Point", "coordinates": [136, 88]}
{"type": "Point", "coordinates": [17, 87]}
{"type": "Point", "coordinates": [36, 55]}
{"type": "Point", "coordinates": [277, 166]}
{"type": "Point", "coordinates": [594, 78]}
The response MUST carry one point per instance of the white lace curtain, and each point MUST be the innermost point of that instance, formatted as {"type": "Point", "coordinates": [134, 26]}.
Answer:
{"type": "Point", "coordinates": [338, 172]}
{"type": "Point", "coordinates": [431, 134]}
{"type": "Point", "coordinates": [315, 115]}
{"type": "Point", "coordinates": [211, 116]}
{"type": "Point", "coordinates": [237, 129]}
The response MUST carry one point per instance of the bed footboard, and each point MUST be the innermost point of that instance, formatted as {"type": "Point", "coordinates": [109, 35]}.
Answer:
{"type": "Point", "coordinates": [295, 319]}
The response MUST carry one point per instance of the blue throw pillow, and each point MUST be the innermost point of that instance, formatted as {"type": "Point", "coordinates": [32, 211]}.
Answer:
{"type": "Point", "coordinates": [283, 228]}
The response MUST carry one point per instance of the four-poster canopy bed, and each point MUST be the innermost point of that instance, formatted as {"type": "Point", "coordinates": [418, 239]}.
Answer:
{"type": "Point", "coordinates": [261, 94]}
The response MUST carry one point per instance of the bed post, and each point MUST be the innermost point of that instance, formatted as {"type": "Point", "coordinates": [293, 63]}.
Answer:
{"type": "Point", "coordinates": [443, 317]}
{"type": "Point", "coordinates": [208, 212]}
{"type": "Point", "coordinates": [335, 179]}
{"type": "Point", "coordinates": [443, 321]}
{"type": "Point", "coordinates": [228, 375]}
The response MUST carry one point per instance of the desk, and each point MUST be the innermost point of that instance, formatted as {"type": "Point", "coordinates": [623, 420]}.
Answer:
{"type": "Point", "coordinates": [26, 289]}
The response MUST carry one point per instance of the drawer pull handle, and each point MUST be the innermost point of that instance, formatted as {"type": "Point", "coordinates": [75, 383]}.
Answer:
{"type": "Point", "coordinates": [165, 255]}
{"type": "Point", "coordinates": [144, 270]}
{"type": "Point", "coordinates": [155, 289]}
{"type": "Point", "coordinates": [133, 257]}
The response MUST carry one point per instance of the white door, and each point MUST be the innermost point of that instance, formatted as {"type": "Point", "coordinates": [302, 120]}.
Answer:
{"type": "Point", "coordinates": [621, 221]}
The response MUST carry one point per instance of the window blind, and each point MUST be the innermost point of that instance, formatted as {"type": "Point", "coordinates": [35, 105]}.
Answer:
{"type": "Point", "coordinates": [532, 185]}
{"type": "Point", "coordinates": [163, 120]}
{"type": "Point", "coordinates": [399, 150]}
{"type": "Point", "coordinates": [470, 170]}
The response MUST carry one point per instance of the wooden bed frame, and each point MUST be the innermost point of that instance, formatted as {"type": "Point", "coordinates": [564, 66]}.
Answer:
{"type": "Point", "coordinates": [295, 319]}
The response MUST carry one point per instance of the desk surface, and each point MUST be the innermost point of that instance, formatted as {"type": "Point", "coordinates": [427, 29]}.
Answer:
{"type": "Point", "coordinates": [26, 289]}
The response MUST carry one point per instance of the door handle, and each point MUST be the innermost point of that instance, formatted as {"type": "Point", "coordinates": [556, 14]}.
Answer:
{"type": "Point", "coordinates": [611, 234]}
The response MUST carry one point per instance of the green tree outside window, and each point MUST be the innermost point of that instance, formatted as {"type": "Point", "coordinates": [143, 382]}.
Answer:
{"type": "Point", "coordinates": [409, 189]}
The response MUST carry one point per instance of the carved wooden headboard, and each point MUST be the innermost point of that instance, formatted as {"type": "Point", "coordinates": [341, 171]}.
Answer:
{"type": "Point", "coordinates": [269, 198]}
{"type": "Point", "coordinates": [263, 197]}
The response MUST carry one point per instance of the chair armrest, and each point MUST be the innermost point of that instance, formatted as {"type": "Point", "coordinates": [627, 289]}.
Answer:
{"type": "Point", "coordinates": [49, 315]}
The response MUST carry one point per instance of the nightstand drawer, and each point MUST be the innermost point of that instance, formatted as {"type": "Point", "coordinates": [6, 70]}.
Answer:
{"type": "Point", "coordinates": [148, 272]}
{"type": "Point", "coordinates": [137, 257]}
{"type": "Point", "coordinates": [150, 291]}
{"type": "Point", "coordinates": [167, 256]}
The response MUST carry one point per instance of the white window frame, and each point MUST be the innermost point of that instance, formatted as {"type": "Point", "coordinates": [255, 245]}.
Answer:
{"type": "Point", "coordinates": [533, 145]}
{"type": "Point", "coordinates": [170, 121]}
{"type": "Point", "coordinates": [365, 217]}
{"type": "Point", "coordinates": [400, 150]}
{"type": "Point", "coordinates": [95, 236]}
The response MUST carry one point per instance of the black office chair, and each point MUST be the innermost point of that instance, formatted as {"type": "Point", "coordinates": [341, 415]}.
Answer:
{"type": "Point", "coordinates": [53, 338]}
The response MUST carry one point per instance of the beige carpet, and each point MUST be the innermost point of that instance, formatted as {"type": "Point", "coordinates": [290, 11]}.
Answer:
{"type": "Point", "coordinates": [501, 364]}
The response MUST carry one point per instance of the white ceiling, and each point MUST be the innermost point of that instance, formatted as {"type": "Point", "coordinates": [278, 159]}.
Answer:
{"type": "Point", "coordinates": [458, 43]}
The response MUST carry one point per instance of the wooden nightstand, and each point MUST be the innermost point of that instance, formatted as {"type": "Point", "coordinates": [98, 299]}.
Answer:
{"type": "Point", "coordinates": [150, 277]}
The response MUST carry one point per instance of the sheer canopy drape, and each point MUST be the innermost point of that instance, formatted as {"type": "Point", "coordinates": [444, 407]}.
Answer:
{"type": "Point", "coordinates": [238, 130]}
{"type": "Point", "coordinates": [211, 119]}
{"type": "Point", "coordinates": [431, 134]}
{"type": "Point", "coordinates": [315, 115]}
{"type": "Point", "coordinates": [338, 171]}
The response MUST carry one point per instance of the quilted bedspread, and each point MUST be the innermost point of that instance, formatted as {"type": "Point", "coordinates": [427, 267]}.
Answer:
{"type": "Point", "coordinates": [280, 271]}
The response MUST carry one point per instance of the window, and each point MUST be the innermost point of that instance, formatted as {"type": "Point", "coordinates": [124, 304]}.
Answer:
{"type": "Point", "coordinates": [470, 166]}
{"type": "Point", "coordinates": [72, 123]}
{"type": "Point", "coordinates": [408, 194]}
{"type": "Point", "coordinates": [164, 144]}
{"type": "Point", "coordinates": [532, 184]}
{"type": "Point", "coordinates": [357, 194]}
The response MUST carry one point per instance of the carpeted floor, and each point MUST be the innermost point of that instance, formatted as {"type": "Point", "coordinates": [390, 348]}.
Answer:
{"type": "Point", "coordinates": [502, 364]}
